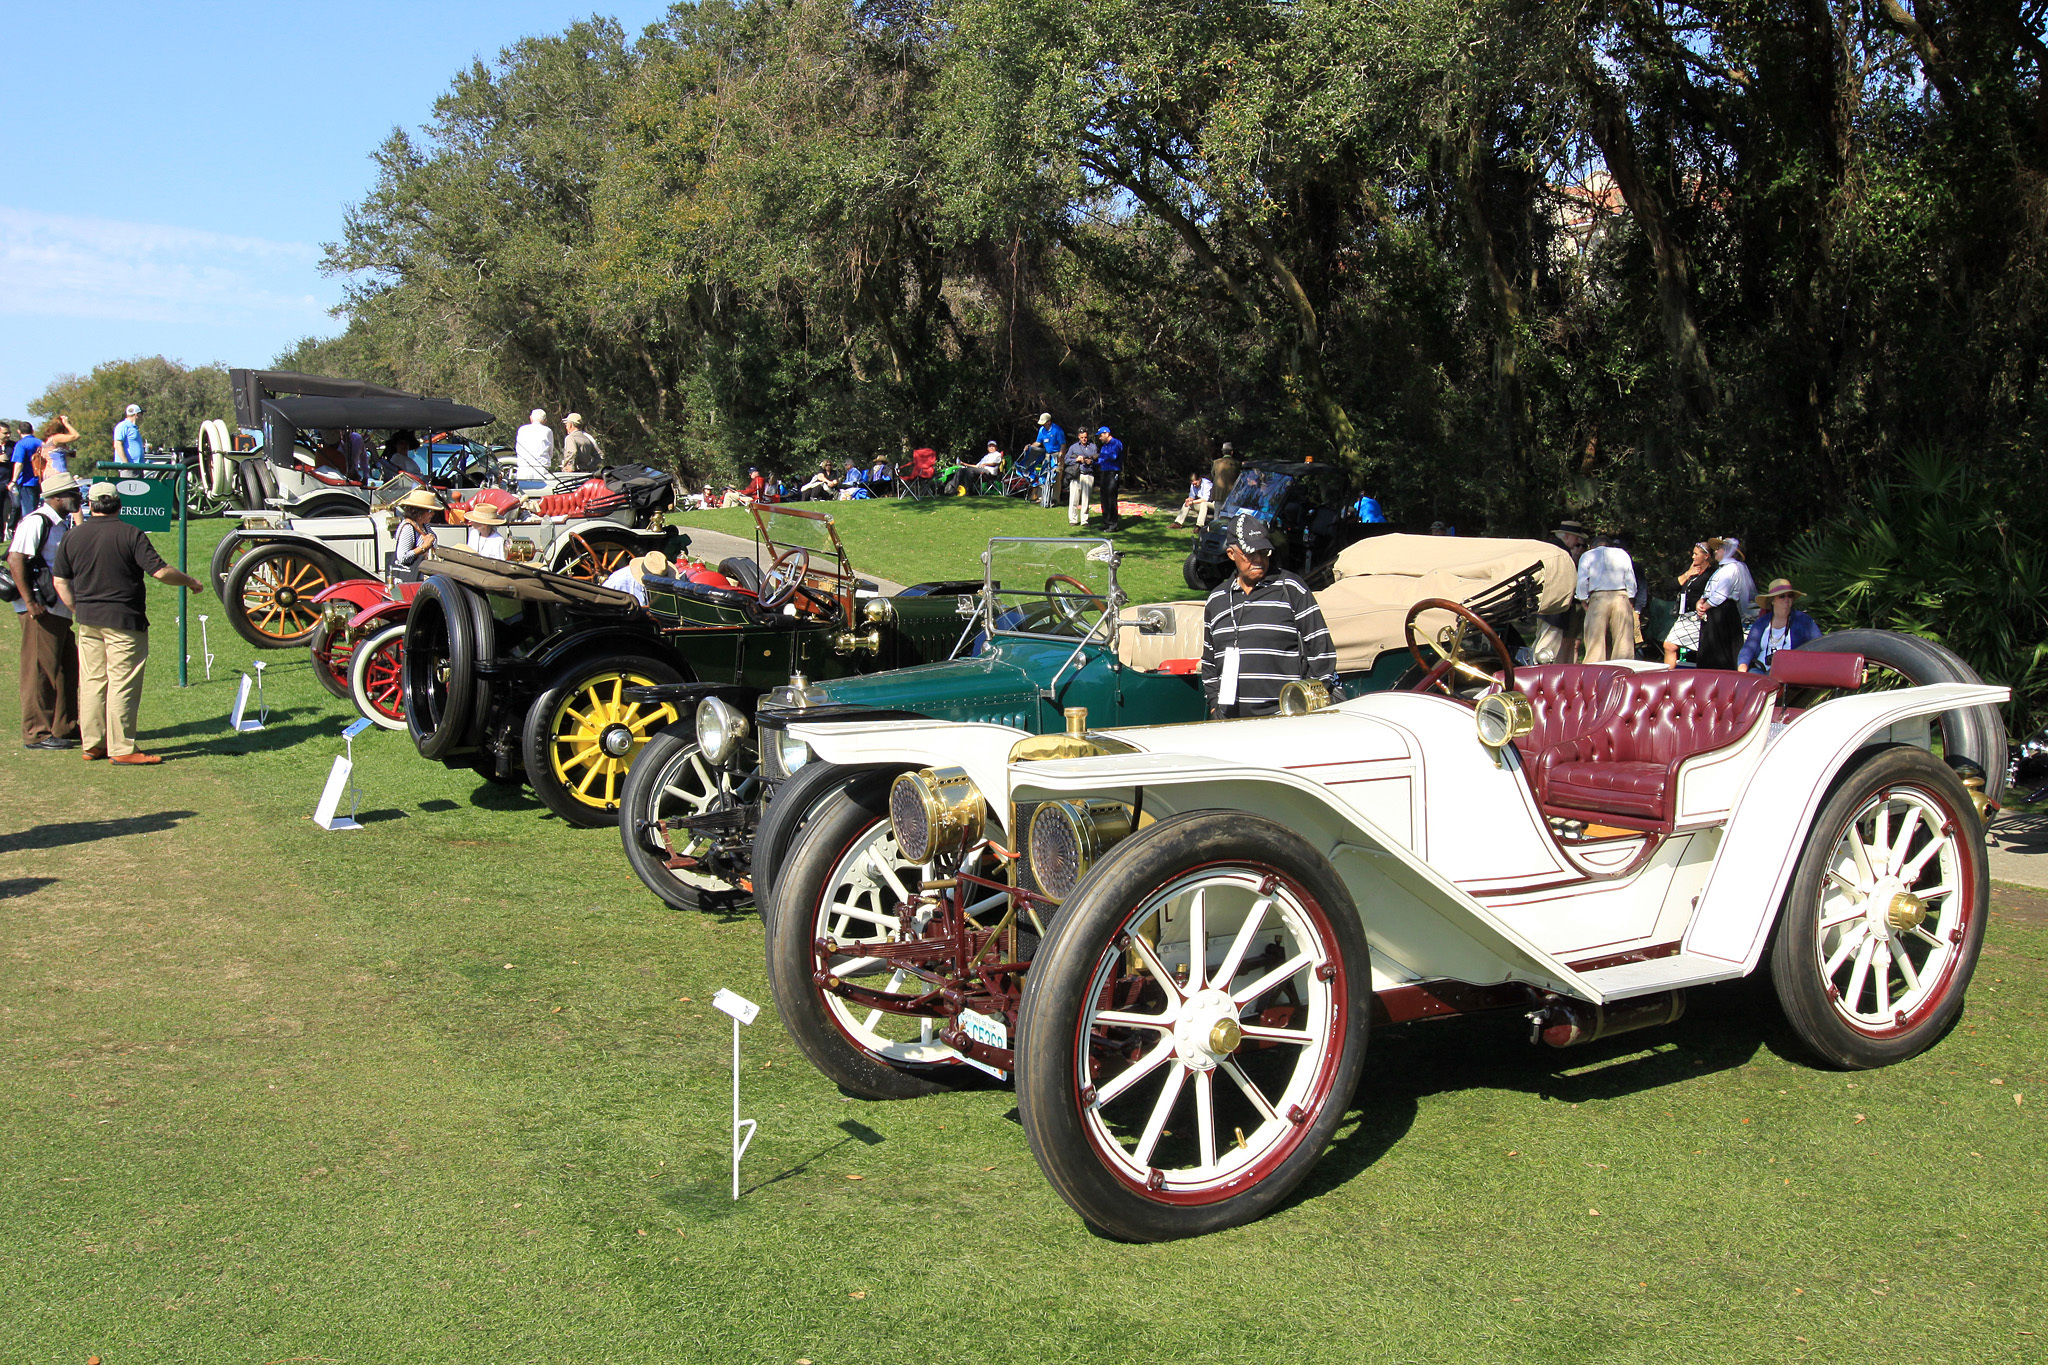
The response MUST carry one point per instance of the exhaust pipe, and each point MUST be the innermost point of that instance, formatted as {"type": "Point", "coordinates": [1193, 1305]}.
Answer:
{"type": "Point", "coordinates": [1568, 1023]}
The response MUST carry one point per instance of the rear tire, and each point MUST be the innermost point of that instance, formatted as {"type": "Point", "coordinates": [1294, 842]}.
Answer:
{"type": "Point", "coordinates": [376, 677]}
{"type": "Point", "coordinates": [440, 668]}
{"type": "Point", "coordinates": [270, 591]}
{"type": "Point", "coordinates": [330, 663]}
{"type": "Point", "coordinates": [1976, 733]}
{"type": "Point", "coordinates": [1202, 577]}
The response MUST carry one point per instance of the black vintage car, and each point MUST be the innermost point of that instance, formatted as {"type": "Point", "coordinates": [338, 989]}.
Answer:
{"type": "Point", "coordinates": [536, 677]}
{"type": "Point", "coordinates": [1306, 507]}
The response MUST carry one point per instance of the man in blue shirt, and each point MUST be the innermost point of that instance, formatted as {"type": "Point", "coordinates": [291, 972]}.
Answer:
{"type": "Point", "coordinates": [27, 487]}
{"type": "Point", "coordinates": [1109, 473]}
{"type": "Point", "coordinates": [128, 438]}
{"type": "Point", "coordinates": [1051, 441]}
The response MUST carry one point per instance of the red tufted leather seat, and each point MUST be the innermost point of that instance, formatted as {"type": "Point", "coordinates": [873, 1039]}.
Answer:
{"type": "Point", "coordinates": [1625, 762]}
{"type": "Point", "coordinates": [589, 500]}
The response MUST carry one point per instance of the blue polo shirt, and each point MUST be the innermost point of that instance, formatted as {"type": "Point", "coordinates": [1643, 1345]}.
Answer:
{"type": "Point", "coordinates": [24, 457]}
{"type": "Point", "coordinates": [128, 436]}
{"type": "Point", "coordinates": [1111, 460]}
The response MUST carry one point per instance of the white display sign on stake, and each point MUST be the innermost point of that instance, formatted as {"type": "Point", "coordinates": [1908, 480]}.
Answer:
{"type": "Point", "coordinates": [235, 721]}
{"type": "Point", "coordinates": [342, 778]}
{"type": "Point", "coordinates": [743, 1011]}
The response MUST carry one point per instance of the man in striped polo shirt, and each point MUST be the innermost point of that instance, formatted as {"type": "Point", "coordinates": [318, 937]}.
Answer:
{"type": "Point", "coordinates": [1260, 631]}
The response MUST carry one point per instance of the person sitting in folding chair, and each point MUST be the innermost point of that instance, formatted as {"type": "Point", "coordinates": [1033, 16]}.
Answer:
{"type": "Point", "coordinates": [977, 477]}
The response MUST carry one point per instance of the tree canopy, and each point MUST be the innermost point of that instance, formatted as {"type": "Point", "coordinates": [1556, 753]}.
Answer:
{"type": "Point", "coordinates": [174, 399]}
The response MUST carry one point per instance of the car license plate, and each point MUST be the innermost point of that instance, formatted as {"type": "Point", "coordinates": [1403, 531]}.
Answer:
{"type": "Point", "coordinates": [984, 1028]}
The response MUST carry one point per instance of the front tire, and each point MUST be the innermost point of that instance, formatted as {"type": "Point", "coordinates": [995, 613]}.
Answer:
{"type": "Point", "coordinates": [330, 660]}
{"type": "Point", "coordinates": [1164, 1100]}
{"type": "Point", "coordinates": [844, 881]}
{"type": "Point", "coordinates": [669, 779]}
{"type": "Point", "coordinates": [376, 677]}
{"type": "Point", "coordinates": [270, 592]}
{"type": "Point", "coordinates": [1202, 577]}
{"type": "Point", "coordinates": [582, 734]}
{"type": "Point", "coordinates": [1883, 922]}
{"type": "Point", "coordinates": [789, 810]}
{"type": "Point", "coordinates": [439, 668]}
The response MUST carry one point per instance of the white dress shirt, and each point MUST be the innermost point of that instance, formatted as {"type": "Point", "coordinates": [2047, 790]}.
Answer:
{"type": "Point", "coordinates": [533, 451]}
{"type": "Point", "coordinates": [1605, 568]}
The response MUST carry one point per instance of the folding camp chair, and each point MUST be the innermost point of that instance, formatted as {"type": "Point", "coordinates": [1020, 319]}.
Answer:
{"type": "Point", "coordinates": [919, 479]}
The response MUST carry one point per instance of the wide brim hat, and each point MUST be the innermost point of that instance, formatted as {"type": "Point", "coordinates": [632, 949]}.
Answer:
{"type": "Point", "coordinates": [58, 481]}
{"type": "Point", "coordinates": [485, 515]}
{"type": "Point", "coordinates": [1571, 528]}
{"type": "Point", "coordinates": [419, 497]}
{"type": "Point", "coordinates": [653, 562]}
{"type": "Point", "coordinates": [1779, 587]}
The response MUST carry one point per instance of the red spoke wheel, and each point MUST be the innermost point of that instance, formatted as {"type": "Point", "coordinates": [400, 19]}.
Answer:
{"type": "Point", "coordinates": [270, 592]}
{"type": "Point", "coordinates": [377, 677]}
{"type": "Point", "coordinates": [331, 651]}
{"type": "Point", "coordinates": [1194, 1027]}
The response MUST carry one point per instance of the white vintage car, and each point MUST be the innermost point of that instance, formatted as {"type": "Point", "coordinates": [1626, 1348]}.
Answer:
{"type": "Point", "coordinates": [1177, 938]}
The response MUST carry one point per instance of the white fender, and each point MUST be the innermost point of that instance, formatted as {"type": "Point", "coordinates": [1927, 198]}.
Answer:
{"type": "Point", "coordinates": [1414, 917]}
{"type": "Point", "coordinates": [979, 747]}
{"type": "Point", "coordinates": [1763, 840]}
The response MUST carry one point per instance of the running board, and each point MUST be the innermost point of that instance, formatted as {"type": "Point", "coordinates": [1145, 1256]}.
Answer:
{"type": "Point", "coordinates": [1660, 974]}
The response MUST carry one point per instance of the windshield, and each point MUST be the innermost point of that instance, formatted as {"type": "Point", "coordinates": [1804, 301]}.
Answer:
{"type": "Point", "coordinates": [1259, 492]}
{"type": "Point", "coordinates": [1049, 587]}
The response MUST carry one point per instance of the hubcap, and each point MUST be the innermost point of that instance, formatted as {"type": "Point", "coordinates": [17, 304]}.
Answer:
{"type": "Point", "coordinates": [1906, 912]}
{"type": "Point", "coordinates": [616, 741]}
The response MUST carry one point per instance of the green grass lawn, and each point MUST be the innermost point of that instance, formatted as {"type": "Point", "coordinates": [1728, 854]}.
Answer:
{"type": "Point", "coordinates": [450, 1089]}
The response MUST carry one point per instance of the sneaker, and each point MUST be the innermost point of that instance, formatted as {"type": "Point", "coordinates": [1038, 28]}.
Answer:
{"type": "Point", "coordinates": [51, 742]}
{"type": "Point", "coordinates": [135, 758]}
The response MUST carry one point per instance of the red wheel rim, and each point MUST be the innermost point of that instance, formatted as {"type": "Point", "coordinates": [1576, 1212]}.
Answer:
{"type": "Point", "coordinates": [384, 680]}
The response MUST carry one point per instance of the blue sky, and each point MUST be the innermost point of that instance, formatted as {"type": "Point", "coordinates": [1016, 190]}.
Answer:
{"type": "Point", "coordinates": [170, 194]}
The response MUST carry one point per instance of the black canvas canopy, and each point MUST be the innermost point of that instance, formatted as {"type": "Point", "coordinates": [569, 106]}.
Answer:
{"type": "Point", "coordinates": [312, 400]}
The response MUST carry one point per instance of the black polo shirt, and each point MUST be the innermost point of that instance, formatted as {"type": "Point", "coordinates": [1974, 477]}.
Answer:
{"type": "Point", "coordinates": [108, 562]}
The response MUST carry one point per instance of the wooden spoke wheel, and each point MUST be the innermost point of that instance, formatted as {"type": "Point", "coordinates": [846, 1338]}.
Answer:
{"type": "Point", "coordinates": [583, 733]}
{"type": "Point", "coordinates": [331, 652]}
{"type": "Point", "coordinates": [1195, 1026]}
{"type": "Point", "coordinates": [1885, 915]}
{"type": "Point", "coordinates": [377, 677]}
{"type": "Point", "coordinates": [594, 558]}
{"type": "Point", "coordinates": [270, 592]}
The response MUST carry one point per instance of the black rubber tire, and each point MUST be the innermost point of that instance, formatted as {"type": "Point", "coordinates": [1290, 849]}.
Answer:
{"type": "Point", "coordinates": [744, 572]}
{"type": "Point", "coordinates": [1809, 998]}
{"type": "Point", "coordinates": [318, 572]}
{"type": "Point", "coordinates": [359, 672]}
{"type": "Point", "coordinates": [332, 505]}
{"type": "Point", "coordinates": [639, 803]}
{"type": "Point", "coordinates": [1202, 577]}
{"type": "Point", "coordinates": [1090, 924]}
{"type": "Point", "coordinates": [266, 479]}
{"type": "Point", "coordinates": [537, 735]}
{"type": "Point", "coordinates": [226, 555]}
{"type": "Point", "coordinates": [486, 630]}
{"type": "Point", "coordinates": [792, 806]}
{"type": "Point", "coordinates": [250, 485]}
{"type": "Point", "coordinates": [845, 818]}
{"type": "Point", "coordinates": [1976, 733]}
{"type": "Point", "coordinates": [440, 631]}
{"type": "Point", "coordinates": [316, 646]}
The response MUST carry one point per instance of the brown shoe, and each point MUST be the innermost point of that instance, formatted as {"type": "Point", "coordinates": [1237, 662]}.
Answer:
{"type": "Point", "coordinates": [136, 758]}
{"type": "Point", "coordinates": [91, 754]}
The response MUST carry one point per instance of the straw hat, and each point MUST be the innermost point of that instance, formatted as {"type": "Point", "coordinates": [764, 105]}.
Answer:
{"type": "Point", "coordinates": [653, 562]}
{"type": "Point", "coordinates": [483, 514]}
{"type": "Point", "coordinates": [1779, 587]}
{"type": "Point", "coordinates": [419, 497]}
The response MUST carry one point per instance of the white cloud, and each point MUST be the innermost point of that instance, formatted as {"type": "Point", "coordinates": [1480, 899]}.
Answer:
{"type": "Point", "coordinates": [56, 266]}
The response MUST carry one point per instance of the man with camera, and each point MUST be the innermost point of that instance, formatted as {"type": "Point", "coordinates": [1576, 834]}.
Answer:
{"type": "Point", "coordinates": [49, 650]}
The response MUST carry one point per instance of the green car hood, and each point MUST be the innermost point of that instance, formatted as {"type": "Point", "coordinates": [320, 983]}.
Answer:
{"type": "Point", "coordinates": [992, 686]}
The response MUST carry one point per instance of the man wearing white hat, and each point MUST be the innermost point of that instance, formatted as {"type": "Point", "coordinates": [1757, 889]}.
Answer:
{"type": "Point", "coordinates": [128, 447]}
{"type": "Point", "coordinates": [49, 649]}
{"type": "Point", "coordinates": [533, 451]}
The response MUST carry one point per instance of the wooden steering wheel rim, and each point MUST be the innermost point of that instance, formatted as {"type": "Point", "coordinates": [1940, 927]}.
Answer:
{"type": "Point", "coordinates": [1433, 673]}
{"type": "Point", "coordinates": [1094, 599]}
{"type": "Point", "coordinates": [777, 589]}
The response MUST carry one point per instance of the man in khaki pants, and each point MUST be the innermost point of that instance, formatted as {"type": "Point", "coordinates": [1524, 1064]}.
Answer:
{"type": "Point", "coordinates": [100, 570]}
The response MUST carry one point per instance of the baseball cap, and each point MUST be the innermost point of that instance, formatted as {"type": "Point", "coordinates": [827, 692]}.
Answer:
{"type": "Point", "coordinates": [1044, 418]}
{"type": "Point", "coordinates": [134, 410]}
{"type": "Point", "coordinates": [1248, 533]}
{"type": "Point", "coordinates": [102, 489]}
{"type": "Point", "coordinates": [574, 419]}
{"type": "Point", "coordinates": [1102, 431]}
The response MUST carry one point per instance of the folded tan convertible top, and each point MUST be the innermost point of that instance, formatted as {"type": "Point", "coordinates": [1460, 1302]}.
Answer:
{"type": "Point", "coordinates": [1379, 579]}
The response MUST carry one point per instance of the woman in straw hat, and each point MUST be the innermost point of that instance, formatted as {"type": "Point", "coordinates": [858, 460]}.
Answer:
{"type": "Point", "coordinates": [414, 541]}
{"type": "Point", "coordinates": [488, 539]}
{"type": "Point", "coordinates": [1781, 628]}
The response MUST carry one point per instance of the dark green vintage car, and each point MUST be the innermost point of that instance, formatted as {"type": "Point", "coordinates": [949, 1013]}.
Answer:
{"type": "Point", "coordinates": [1049, 629]}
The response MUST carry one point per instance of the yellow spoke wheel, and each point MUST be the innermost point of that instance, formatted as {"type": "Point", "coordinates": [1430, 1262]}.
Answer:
{"type": "Point", "coordinates": [270, 595]}
{"type": "Point", "coordinates": [584, 733]}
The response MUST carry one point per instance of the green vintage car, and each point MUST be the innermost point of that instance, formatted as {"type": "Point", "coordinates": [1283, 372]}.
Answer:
{"type": "Point", "coordinates": [1049, 629]}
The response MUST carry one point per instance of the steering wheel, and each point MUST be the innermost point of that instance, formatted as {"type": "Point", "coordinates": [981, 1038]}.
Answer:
{"type": "Point", "coordinates": [1450, 653]}
{"type": "Point", "coordinates": [785, 575]}
{"type": "Point", "coordinates": [1067, 607]}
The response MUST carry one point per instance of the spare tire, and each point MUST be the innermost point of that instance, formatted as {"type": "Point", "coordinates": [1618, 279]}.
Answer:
{"type": "Point", "coordinates": [440, 668]}
{"type": "Point", "coordinates": [1976, 733]}
{"type": "Point", "coordinates": [744, 572]}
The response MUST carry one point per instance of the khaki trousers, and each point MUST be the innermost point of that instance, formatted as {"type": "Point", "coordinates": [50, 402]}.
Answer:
{"type": "Point", "coordinates": [1610, 626]}
{"type": "Point", "coordinates": [1201, 507]}
{"type": "Point", "coordinates": [49, 678]}
{"type": "Point", "coordinates": [110, 687]}
{"type": "Point", "coordinates": [1080, 492]}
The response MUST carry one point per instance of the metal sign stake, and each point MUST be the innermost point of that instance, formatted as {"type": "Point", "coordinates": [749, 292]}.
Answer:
{"type": "Point", "coordinates": [743, 1011]}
